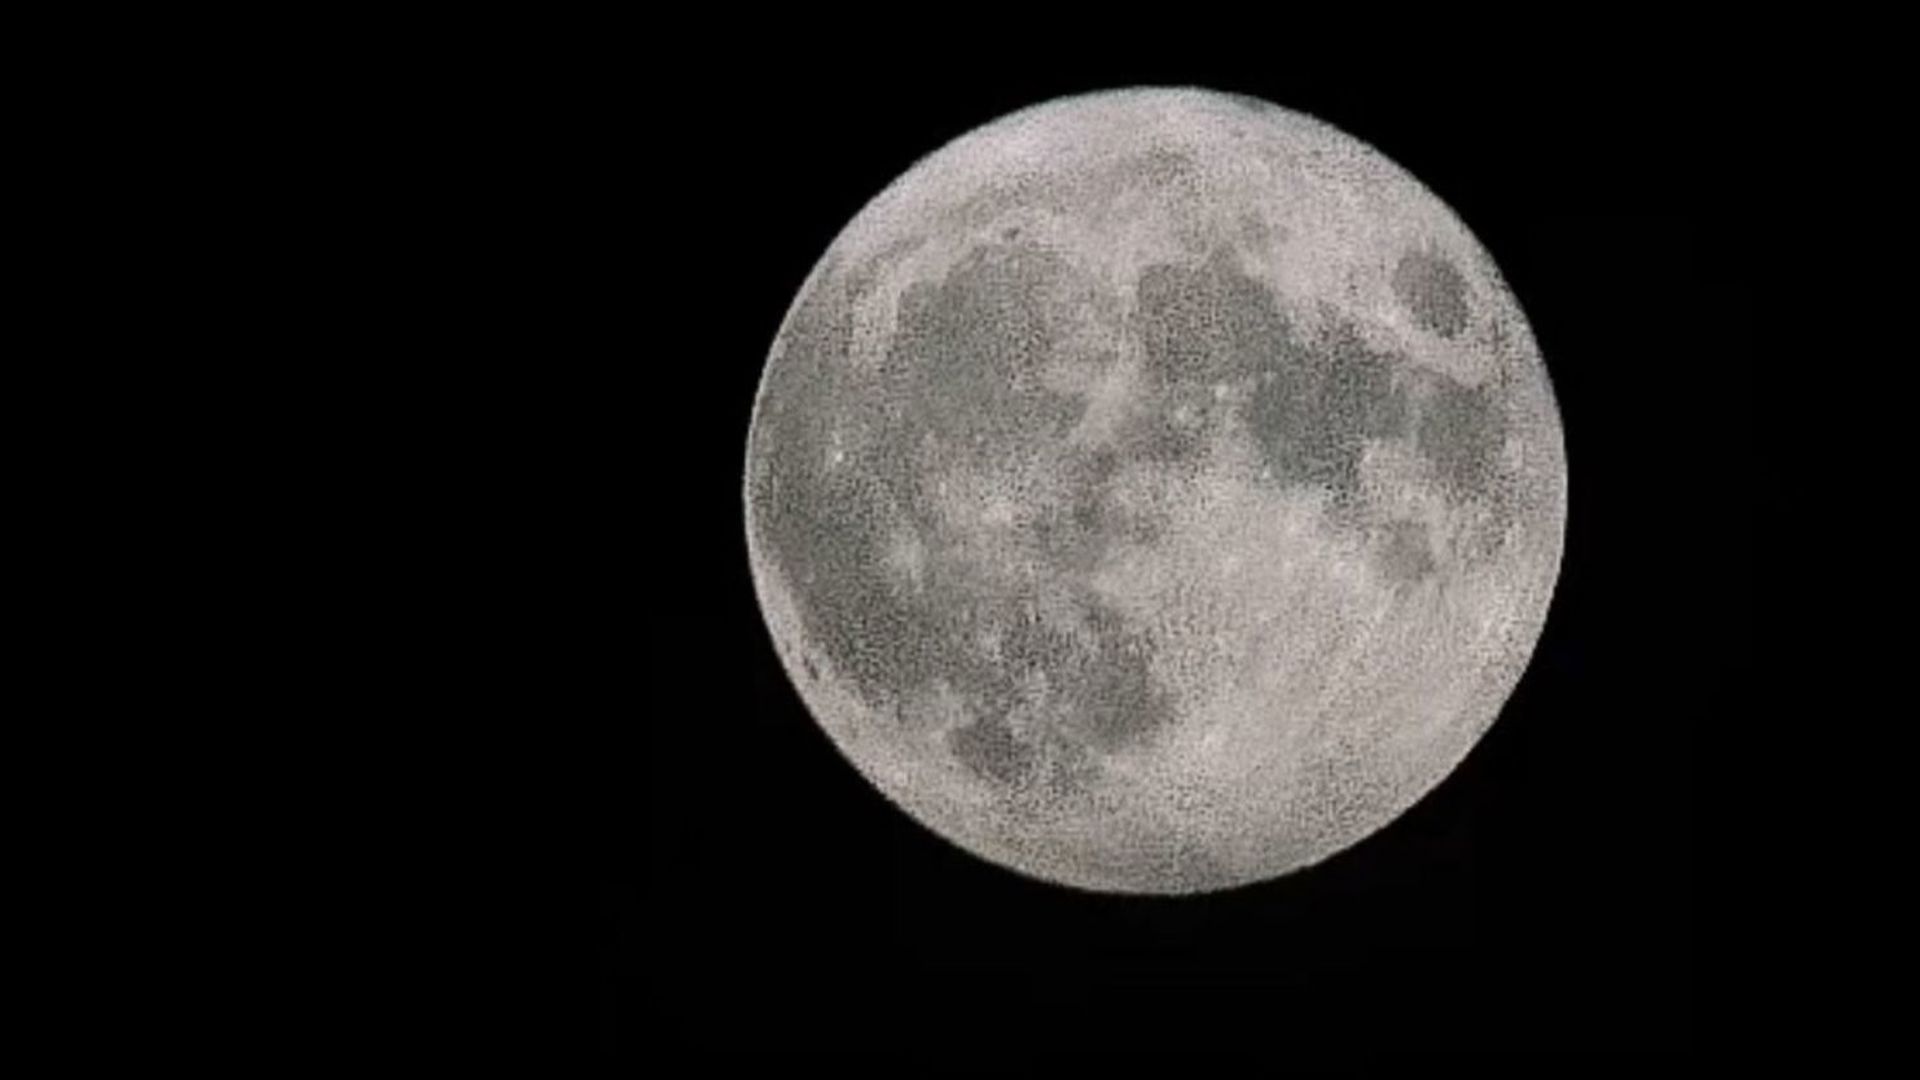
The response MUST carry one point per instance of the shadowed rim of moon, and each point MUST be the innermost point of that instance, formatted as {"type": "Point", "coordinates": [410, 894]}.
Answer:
{"type": "Point", "coordinates": [1384, 445]}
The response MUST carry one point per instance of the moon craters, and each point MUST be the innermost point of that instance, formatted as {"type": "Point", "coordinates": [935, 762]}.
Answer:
{"type": "Point", "coordinates": [1110, 545]}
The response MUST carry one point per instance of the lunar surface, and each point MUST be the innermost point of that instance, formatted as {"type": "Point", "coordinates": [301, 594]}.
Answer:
{"type": "Point", "coordinates": [1155, 491]}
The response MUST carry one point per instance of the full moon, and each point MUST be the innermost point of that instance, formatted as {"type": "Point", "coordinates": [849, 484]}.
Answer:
{"type": "Point", "coordinates": [1154, 491]}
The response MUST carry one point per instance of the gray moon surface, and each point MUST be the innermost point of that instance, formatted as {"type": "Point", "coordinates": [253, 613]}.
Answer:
{"type": "Point", "coordinates": [1155, 491]}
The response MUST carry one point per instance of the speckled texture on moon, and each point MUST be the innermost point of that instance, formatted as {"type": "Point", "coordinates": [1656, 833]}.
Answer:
{"type": "Point", "coordinates": [1155, 491]}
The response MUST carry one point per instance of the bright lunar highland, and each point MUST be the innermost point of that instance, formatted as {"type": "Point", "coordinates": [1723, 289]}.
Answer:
{"type": "Point", "coordinates": [1155, 491]}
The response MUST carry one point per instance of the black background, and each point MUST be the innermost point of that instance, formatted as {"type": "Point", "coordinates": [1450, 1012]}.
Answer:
{"type": "Point", "coordinates": [1542, 896]}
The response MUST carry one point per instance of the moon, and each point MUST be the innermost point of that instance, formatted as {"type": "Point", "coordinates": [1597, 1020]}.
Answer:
{"type": "Point", "coordinates": [1154, 491]}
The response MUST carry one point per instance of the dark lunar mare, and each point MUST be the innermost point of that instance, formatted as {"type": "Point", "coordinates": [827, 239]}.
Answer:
{"type": "Point", "coordinates": [959, 386]}
{"type": "Point", "coordinates": [825, 528]}
{"type": "Point", "coordinates": [1433, 291]}
{"type": "Point", "coordinates": [1314, 402]}
{"type": "Point", "coordinates": [1317, 398]}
